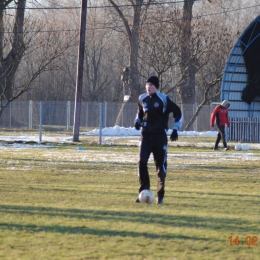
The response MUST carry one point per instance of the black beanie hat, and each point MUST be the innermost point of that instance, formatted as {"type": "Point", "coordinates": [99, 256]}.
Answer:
{"type": "Point", "coordinates": [154, 80]}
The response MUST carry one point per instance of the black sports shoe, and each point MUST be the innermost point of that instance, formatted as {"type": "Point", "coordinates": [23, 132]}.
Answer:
{"type": "Point", "coordinates": [226, 148]}
{"type": "Point", "coordinates": [215, 149]}
{"type": "Point", "coordinates": [159, 201]}
{"type": "Point", "coordinates": [137, 200]}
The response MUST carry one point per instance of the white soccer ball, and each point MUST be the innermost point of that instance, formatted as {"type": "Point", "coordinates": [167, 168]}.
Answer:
{"type": "Point", "coordinates": [245, 147]}
{"type": "Point", "coordinates": [146, 196]}
{"type": "Point", "coordinates": [238, 147]}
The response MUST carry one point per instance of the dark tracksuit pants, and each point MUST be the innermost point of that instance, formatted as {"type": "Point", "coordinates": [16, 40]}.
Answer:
{"type": "Point", "coordinates": [221, 135]}
{"type": "Point", "coordinates": [156, 144]}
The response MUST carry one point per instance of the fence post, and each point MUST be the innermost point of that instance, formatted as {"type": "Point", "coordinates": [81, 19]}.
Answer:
{"type": "Point", "coordinates": [100, 122]}
{"type": "Point", "coordinates": [105, 115]}
{"type": "Point", "coordinates": [196, 119]}
{"type": "Point", "coordinates": [68, 114]}
{"type": "Point", "coordinates": [40, 131]}
{"type": "Point", "coordinates": [86, 115]}
{"type": "Point", "coordinates": [30, 114]}
{"type": "Point", "coordinates": [10, 105]}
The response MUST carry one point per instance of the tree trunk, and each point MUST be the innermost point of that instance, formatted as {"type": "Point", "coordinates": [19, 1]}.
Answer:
{"type": "Point", "coordinates": [204, 101]}
{"type": "Point", "coordinates": [133, 36]}
{"type": "Point", "coordinates": [134, 47]}
{"type": "Point", "coordinates": [119, 116]}
{"type": "Point", "coordinates": [10, 63]}
{"type": "Point", "coordinates": [186, 86]}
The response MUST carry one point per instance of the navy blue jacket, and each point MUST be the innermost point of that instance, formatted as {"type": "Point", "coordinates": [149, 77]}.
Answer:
{"type": "Point", "coordinates": [153, 113]}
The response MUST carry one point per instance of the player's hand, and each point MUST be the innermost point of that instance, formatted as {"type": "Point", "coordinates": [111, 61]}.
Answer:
{"type": "Point", "coordinates": [137, 125]}
{"type": "Point", "coordinates": [174, 135]}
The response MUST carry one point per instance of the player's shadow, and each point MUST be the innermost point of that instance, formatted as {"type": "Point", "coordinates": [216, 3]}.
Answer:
{"type": "Point", "coordinates": [229, 225]}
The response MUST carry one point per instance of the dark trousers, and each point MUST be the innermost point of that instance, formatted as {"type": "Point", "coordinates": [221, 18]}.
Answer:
{"type": "Point", "coordinates": [221, 135]}
{"type": "Point", "coordinates": [156, 144]}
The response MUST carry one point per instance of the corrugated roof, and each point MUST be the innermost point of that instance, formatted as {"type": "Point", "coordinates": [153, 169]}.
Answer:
{"type": "Point", "coordinates": [235, 77]}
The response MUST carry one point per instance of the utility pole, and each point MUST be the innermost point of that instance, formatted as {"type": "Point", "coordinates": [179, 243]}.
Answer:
{"type": "Point", "coordinates": [79, 82]}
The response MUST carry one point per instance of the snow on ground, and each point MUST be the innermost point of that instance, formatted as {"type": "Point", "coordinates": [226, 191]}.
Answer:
{"type": "Point", "coordinates": [116, 131]}
{"type": "Point", "coordinates": [34, 138]}
{"type": "Point", "coordinates": [111, 133]}
{"type": "Point", "coordinates": [180, 158]}
{"type": "Point", "coordinates": [131, 131]}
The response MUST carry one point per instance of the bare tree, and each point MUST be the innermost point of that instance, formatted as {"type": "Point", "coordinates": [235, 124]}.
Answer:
{"type": "Point", "coordinates": [132, 27]}
{"type": "Point", "coordinates": [219, 43]}
{"type": "Point", "coordinates": [9, 62]}
{"type": "Point", "coordinates": [161, 49]}
{"type": "Point", "coordinates": [26, 50]}
{"type": "Point", "coordinates": [98, 75]}
{"type": "Point", "coordinates": [160, 40]}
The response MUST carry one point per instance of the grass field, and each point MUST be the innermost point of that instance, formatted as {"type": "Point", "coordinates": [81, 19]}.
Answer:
{"type": "Point", "coordinates": [58, 202]}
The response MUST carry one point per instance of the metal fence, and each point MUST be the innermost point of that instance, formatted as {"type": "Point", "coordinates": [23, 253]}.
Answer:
{"type": "Point", "coordinates": [60, 115]}
{"type": "Point", "coordinates": [53, 116]}
{"type": "Point", "coordinates": [244, 129]}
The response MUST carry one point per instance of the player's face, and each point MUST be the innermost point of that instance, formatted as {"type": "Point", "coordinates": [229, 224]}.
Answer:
{"type": "Point", "coordinates": [150, 88]}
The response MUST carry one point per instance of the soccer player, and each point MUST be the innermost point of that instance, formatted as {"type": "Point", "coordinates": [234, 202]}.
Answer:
{"type": "Point", "coordinates": [153, 116]}
{"type": "Point", "coordinates": [220, 115]}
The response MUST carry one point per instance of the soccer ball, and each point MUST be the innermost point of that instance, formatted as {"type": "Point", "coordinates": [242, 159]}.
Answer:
{"type": "Point", "coordinates": [245, 147]}
{"type": "Point", "coordinates": [238, 147]}
{"type": "Point", "coordinates": [146, 196]}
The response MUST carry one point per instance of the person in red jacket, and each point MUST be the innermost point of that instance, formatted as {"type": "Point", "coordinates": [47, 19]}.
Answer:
{"type": "Point", "coordinates": [220, 116]}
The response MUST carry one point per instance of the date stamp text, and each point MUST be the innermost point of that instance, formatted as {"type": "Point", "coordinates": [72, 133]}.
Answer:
{"type": "Point", "coordinates": [249, 240]}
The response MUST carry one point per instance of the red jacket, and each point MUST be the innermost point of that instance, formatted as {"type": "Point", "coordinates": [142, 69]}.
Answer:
{"type": "Point", "coordinates": [220, 114]}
